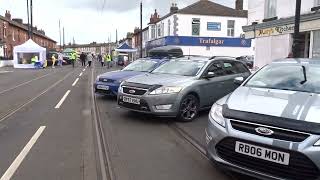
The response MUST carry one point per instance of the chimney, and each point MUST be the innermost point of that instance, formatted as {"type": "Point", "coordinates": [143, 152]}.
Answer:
{"type": "Point", "coordinates": [174, 8]}
{"type": "Point", "coordinates": [154, 17]}
{"type": "Point", "coordinates": [239, 4]}
{"type": "Point", "coordinates": [8, 15]}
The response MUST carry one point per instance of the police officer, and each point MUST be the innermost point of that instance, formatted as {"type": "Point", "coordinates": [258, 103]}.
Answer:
{"type": "Point", "coordinates": [73, 58]}
{"type": "Point", "coordinates": [108, 58]}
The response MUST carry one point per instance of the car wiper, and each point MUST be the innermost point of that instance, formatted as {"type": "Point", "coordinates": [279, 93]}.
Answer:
{"type": "Point", "coordinates": [304, 75]}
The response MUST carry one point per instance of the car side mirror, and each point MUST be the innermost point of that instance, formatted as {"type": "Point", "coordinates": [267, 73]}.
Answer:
{"type": "Point", "coordinates": [210, 75]}
{"type": "Point", "coordinates": [238, 80]}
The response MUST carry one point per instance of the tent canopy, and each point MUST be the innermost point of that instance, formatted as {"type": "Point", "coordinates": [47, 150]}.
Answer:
{"type": "Point", "coordinates": [23, 53]}
{"type": "Point", "coordinates": [29, 47]}
{"type": "Point", "coordinates": [125, 48]}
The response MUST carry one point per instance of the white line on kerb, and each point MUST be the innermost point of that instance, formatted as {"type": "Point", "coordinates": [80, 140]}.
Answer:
{"type": "Point", "coordinates": [16, 163]}
{"type": "Point", "coordinates": [80, 74]}
{"type": "Point", "coordinates": [75, 82]}
{"type": "Point", "coordinates": [62, 99]}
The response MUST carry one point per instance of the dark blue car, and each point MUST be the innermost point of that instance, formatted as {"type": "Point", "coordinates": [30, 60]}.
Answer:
{"type": "Point", "coordinates": [108, 83]}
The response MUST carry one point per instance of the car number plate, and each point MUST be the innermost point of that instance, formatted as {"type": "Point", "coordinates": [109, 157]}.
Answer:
{"type": "Point", "coordinates": [103, 87]}
{"type": "Point", "coordinates": [262, 153]}
{"type": "Point", "coordinates": [131, 100]}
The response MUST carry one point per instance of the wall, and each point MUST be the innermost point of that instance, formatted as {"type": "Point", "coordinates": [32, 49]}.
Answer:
{"type": "Point", "coordinates": [285, 8]}
{"type": "Point", "coordinates": [216, 51]}
{"type": "Point", "coordinates": [272, 48]}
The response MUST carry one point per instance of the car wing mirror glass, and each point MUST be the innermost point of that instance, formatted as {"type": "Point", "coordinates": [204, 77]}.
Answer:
{"type": "Point", "coordinates": [238, 80]}
{"type": "Point", "coordinates": [210, 75]}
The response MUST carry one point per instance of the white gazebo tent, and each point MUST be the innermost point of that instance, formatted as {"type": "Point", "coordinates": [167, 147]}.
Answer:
{"type": "Point", "coordinates": [125, 48]}
{"type": "Point", "coordinates": [23, 53]}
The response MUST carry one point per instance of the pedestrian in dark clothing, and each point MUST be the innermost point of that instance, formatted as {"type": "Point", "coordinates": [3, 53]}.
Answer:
{"type": "Point", "coordinates": [83, 59]}
{"type": "Point", "coordinates": [89, 58]}
{"type": "Point", "coordinates": [101, 60]}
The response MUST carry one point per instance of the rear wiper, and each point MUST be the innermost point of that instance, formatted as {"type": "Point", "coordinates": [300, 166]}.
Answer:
{"type": "Point", "coordinates": [305, 75]}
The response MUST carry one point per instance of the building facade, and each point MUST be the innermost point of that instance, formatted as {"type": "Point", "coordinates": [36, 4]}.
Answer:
{"type": "Point", "coordinates": [271, 24]}
{"type": "Point", "coordinates": [97, 48]}
{"type": "Point", "coordinates": [13, 32]}
{"type": "Point", "coordinates": [203, 28]}
{"type": "Point", "coordinates": [136, 41]}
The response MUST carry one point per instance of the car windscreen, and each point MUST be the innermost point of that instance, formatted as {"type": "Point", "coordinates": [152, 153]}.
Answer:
{"type": "Point", "coordinates": [181, 67]}
{"type": "Point", "coordinates": [141, 65]}
{"type": "Point", "coordinates": [288, 77]}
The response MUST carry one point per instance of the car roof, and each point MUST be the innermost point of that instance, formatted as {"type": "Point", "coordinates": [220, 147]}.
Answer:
{"type": "Point", "coordinates": [297, 61]}
{"type": "Point", "coordinates": [205, 59]}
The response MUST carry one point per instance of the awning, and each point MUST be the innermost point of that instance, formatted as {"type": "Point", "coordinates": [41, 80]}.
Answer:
{"type": "Point", "coordinates": [125, 48]}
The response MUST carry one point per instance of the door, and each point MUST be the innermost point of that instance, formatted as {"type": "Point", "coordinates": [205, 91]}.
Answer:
{"type": "Point", "coordinates": [233, 69]}
{"type": "Point", "coordinates": [213, 81]}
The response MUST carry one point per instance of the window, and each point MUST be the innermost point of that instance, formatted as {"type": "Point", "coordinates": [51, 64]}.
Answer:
{"type": "Point", "coordinates": [13, 39]}
{"type": "Point", "coordinates": [4, 30]}
{"type": "Point", "coordinates": [270, 9]}
{"type": "Point", "coordinates": [217, 69]}
{"type": "Point", "coordinates": [234, 67]}
{"type": "Point", "coordinates": [316, 3]}
{"type": "Point", "coordinates": [195, 27]}
{"type": "Point", "coordinates": [230, 28]}
{"type": "Point", "coordinates": [169, 27]}
{"type": "Point", "coordinates": [159, 30]}
{"type": "Point", "coordinates": [153, 31]}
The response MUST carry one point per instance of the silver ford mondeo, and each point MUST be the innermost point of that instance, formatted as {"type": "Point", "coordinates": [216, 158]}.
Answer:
{"type": "Point", "coordinates": [270, 126]}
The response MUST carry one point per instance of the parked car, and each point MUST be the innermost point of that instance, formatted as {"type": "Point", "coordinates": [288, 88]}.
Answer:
{"type": "Point", "coordinates": [166, 52]}
{"type": "Point", "coordinates": [181, 87]}
{"type": "Point", "coordinates": [270, 126]}
{"type": "Point", "coordinates": [108, 83]}
{"type": "Point", "coordinates": [248, 60]}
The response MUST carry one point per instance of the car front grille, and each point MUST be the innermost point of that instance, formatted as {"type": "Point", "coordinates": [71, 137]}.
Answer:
{"type": "Point", "coordinates": [299, 168]}
{"type": "Point", "coordinates": [106, 80]}
{"type": "Point", "coordinates": [279, 133]}
{"type": "Point", "coordinates": [134, 91]}
{"type": "Point", "coordinates": [142, 107]}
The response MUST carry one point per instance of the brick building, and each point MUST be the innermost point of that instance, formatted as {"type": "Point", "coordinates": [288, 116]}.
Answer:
{"type": "Point", "coordinates": [13, 32]}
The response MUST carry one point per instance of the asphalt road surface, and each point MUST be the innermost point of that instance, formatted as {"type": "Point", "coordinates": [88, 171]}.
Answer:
{"type": "Point", "coordinates": [53, 127]}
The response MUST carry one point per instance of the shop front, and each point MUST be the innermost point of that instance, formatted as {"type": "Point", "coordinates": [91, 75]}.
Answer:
{"type": "Point", "coordinates": [206, 46]}
{"type": "Point", "coordinates": [274, 39]}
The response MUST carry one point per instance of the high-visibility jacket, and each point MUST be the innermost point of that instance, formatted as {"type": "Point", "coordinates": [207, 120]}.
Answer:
{"type": "Point", "coordinates": [108, 58]}
{"type": "Point", "coordinates": [33, 60]}
{"type": "Point", "coordinates": [73, 56]}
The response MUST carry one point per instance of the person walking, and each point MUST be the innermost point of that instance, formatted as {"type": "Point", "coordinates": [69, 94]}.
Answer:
{"type": "Point", "coordinates": [83, 59]}
{"type": "Point", "coordinates": [73, 58]}
{"type": "Point", "coordinates": [60, 59]}
{"type": "Point", "coordinates": [101, 60]}
{"type": "Point", "coordinates": [53, 58]}
{"type": "Point", "coordinates": [89, 58]}
{"type": "Point", "coordinates": [108, 60]}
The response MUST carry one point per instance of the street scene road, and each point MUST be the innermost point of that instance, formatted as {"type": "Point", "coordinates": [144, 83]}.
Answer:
{"type": "Point", "coordinates": [48, 132]}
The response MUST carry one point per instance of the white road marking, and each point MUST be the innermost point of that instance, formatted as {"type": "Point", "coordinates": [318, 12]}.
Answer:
{"type": "Point", "coordinates": [80, 74]}
{"type": "Point", "coordinates": [83, 70]}
{"type": "Point", "coordinates": [62, 99]}
{"type": "Point", "coordinates": [16, 163]}
{"type": "Point", "coordinates": [75, 82]}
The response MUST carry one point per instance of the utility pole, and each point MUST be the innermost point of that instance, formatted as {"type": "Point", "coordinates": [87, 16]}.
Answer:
{"type": "Point", "coordinates": [295, 45]}
{"type": "Point", "coordinates": [28, 15]}
{"type": "Point", "coordinates": [60, 33]}
{"type": "Point", "coordinates": [63, 38]}
{"type": "Point", "coordinates": [141, 29]}
{"type": "Point", "coordinates": [117, 37]}
{"type": "Point", "coordinates": [31, 14]}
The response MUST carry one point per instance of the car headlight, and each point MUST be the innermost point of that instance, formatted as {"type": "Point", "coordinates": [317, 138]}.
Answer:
{"type": "Point", "coordinates": [216, 115]}
{"type": "Point", "coordinates": [317, 143]}
{"type": "Point", "coordinates": [166, 90]}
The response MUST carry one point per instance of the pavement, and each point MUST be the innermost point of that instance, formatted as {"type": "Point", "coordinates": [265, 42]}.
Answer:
{"type": "Point", "coordinates": [48, 130]}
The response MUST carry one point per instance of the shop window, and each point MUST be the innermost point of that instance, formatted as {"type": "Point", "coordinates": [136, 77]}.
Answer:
{"type": "Point", "coordinates": [159, 30]}
{"type": "Point", "coordinates": [230, 28]}
{"type": "Point", "coordinates": [270, 9]}
{"type": "Point", "coordinates": [195, 27]}
{"type": "Point", "coordinates": [153, 31]}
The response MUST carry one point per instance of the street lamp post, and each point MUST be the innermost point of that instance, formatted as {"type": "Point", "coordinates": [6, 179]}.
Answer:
{"type": "Point", "coordinates": [141, 29]}
{"type": "Point", "coordinates": [295, 45]}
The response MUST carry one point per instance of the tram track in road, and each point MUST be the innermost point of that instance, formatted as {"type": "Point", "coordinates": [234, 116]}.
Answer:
{"type": "Point", "coordinates": [14, 110]}
{"type": "Point", "coordinates": [103, 149]}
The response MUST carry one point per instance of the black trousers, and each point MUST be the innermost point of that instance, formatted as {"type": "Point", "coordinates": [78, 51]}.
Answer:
{"type": "Point", "coordinates": [83, 63]}
{"type": "Point", "coordinates": [102, 63]}
{"type": "Point", "coordinates": [89, 62]}
{"type": "Point", "coordinates": [72, 62]}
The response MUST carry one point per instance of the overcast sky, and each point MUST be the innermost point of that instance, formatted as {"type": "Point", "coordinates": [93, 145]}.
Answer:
{"type": "Point", "coordinates": [91, 20]}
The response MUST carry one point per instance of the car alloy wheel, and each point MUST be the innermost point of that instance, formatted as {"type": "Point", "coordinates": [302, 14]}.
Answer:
{"type": "Point", "coordinates": [189, 108]}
